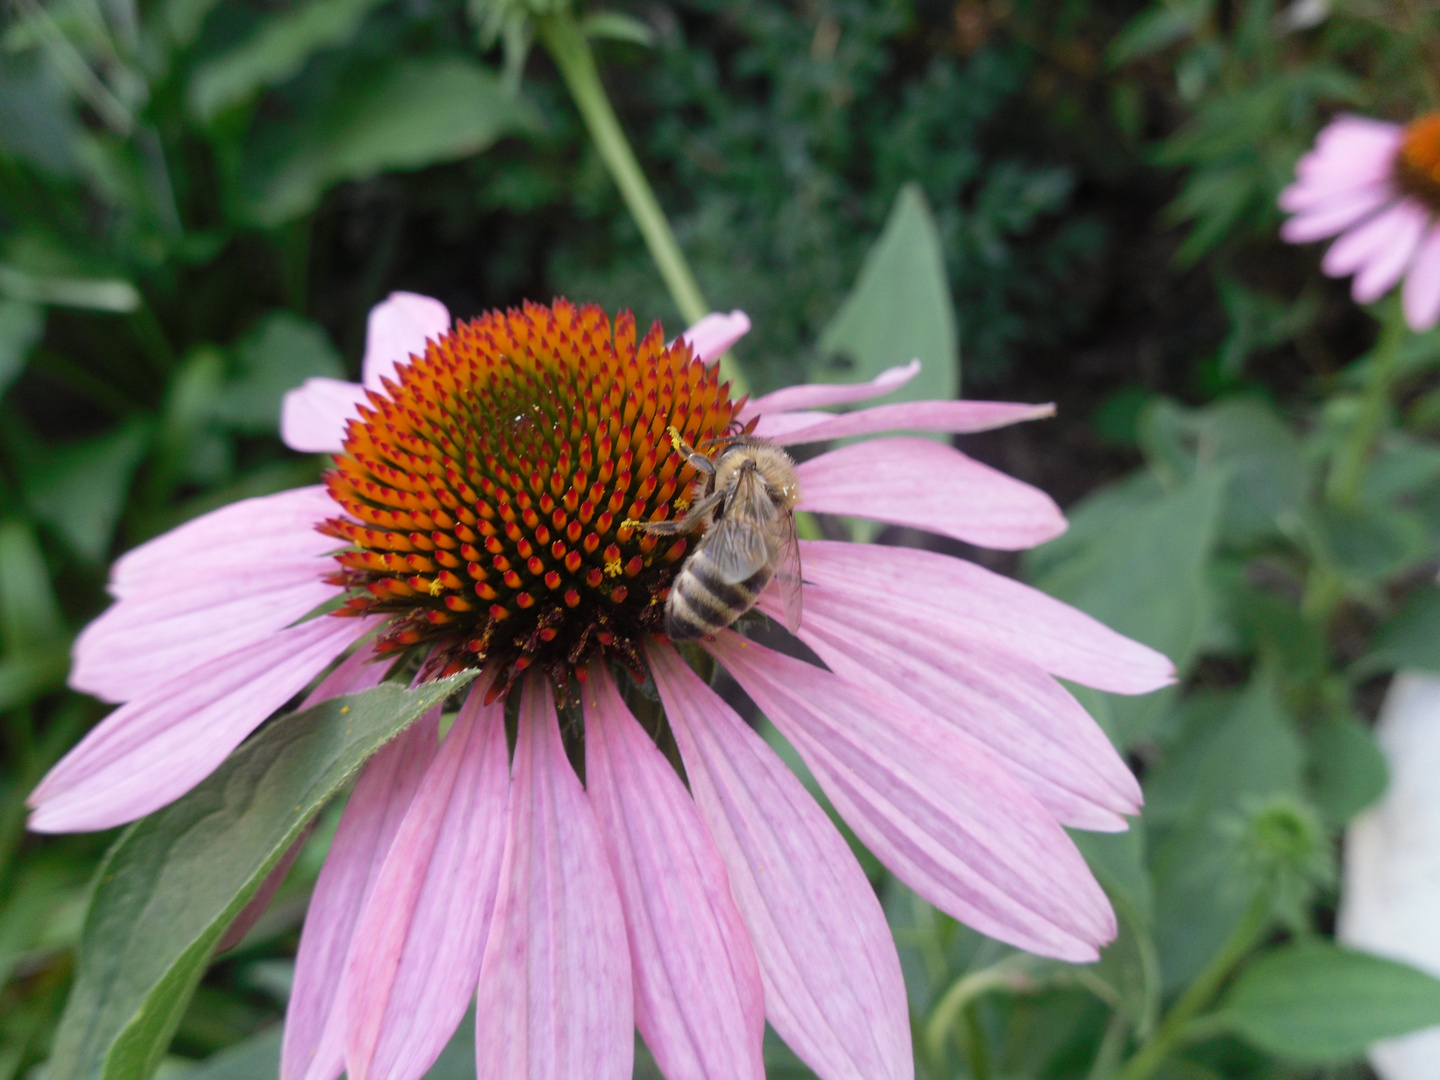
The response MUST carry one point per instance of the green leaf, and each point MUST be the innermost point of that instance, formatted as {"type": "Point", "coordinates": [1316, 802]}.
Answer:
{"type": "Point", "coordinates": [21, 325]}
{"type": "Point", "coordinates": [617, 26]}
{"type": "Point", "coordinates": [405, 116]}
{"type": "Point", "coordinates": [1410, 639]}
{"type": "Point", "coordinates": [29, 614]}
{"type": "Point", "coordinates": [1347, 768]}
{"type": "Point", "coordinates": [1129, 964]}
{"type": "Point", "coordinates": [280, 353]}
{"type": "Point", "coordinates": [276, 52]}
{"type": "Point", "coordinates": [899, 309]}
{"type": "Point", "coordinates": [174, 881]}
{"type": "Point", "coordinates": [97, 294]}
{"type": "Point", "coordinates": [1239, 749]}
{"type": "Point", "coordinates": [28, 673]}
{"type": "Point", "coordinates": [1142, 571]}
{"type": "Point", "coordinates": [80, 489]}
{"type": "Point", "coordinates": [257, 1058]}
{"type": "Point", "coordinates": [1321, 1004]}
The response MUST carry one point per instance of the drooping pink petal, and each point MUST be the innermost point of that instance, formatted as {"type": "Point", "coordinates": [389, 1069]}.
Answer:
{"type": "Point", "coordinates": [1421, 295]}
{"type": "Point", "coordinates": [1367, 241]}
{"type": "Point", "coordinates": [313, 415]}
{"type": "Point", "coordinates": [269, 530]}
{"type": "Point", "coordinates": [1015, 710]}
{"type": "Point", "coordinates": [152, 750]}
{"type": "Point", "coordinates": [908, 481]}
{"type": "Point", "coordinates": [955, 597]}
{"type": "Point", "coordinates": [699, 1002]}
{"type": "Point", "coordinates": [397, 329]}
{"type": "Point", "coordinates": [1379, 275]}
{"type": "Point", "coordinates": [956, 417]}
{"type": "Point", "coordinates": [145, 640]}
{"type": "Point", "coordinates": [817, 395]}
{"type": "Point", "coordinates": [415, 953]}
{"type": "Point", "coordinates": [833, 987]}
{"type": "Point", "coordinates": [313, 1046]}
{"type": "Point", "coordinates": [933, 807]}
{"type": "Point", "coordinates": [1335, 214]}
{"type": "Point", "coordinates": [555, 1000]}
{"type": "Point", "coordinates": [715, 333]}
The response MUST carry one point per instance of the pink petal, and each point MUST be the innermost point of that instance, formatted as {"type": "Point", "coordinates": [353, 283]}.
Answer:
{"type": "Point", "coordinates": [1379, 276]}
{"type": "Point", "coordinates": [932, 806]}
{"type": "Point", "coordinates": [699, 1002]}
{"type": "Point", "coordinates": [362, 670]}
{"type": "Point", "coordinates": [1367, 241]}
{"type": "Point", "coordinates": [1336, 214]}
{"type": "Point", "coordinates": [929, 486]}
{"type": "Point", "coordinates": [1421, 296]}
{"type": "Point", "coordinates": [141, 642]}
{"type": "Point", "coordinates": [314, 1027]}
{"type": "Point", "coordinates": [956, 417]}
{"type": "Point", "coordinates": [416, 950]}
{"type": "Point", "coordinates": [815, 395]}
{"type": "Point", "coordinates": [1036, 730]}
{"type": "Point", "coordinates": [555, 1000]}
{"type": "Point", "coordinates": [952, 597]}
{"type": "Point", "coordinates": [833, 988]}
{"type": "Point", "coordinates": [313, 415]}
{"type": "Point", "coordinates": [398, 328]}
{"type": "Point", "coordinates": [154, 749]}
{"type": "Point", "coordinates": [713, 335]}
{"type": "Point", "coordinates": [271, 530]}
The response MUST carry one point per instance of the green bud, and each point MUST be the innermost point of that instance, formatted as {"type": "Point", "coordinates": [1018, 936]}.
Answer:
{"type": "Point", "coordinates": [1285, 851]}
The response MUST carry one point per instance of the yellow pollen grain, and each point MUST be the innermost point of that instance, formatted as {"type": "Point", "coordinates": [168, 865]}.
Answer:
{"type": "Point", "coordinates": [344, 709]}
{"type": "Point", "coordinates": [612, 567]}
{"type": "Point", "coordinates": [435, 587]}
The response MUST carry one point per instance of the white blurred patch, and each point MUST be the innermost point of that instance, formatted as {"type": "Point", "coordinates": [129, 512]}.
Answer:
{"type": "Point", "coordinates": [1390, 900]}
{"type": "Point", "coordinates": [1302, 15]}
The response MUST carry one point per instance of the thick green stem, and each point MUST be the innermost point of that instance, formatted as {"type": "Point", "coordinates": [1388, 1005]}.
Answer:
{"type": "Point", "coordinates": [1347, 472]}
{"type": "Point", "coordinates": [1174, 1030]}
{"type": "Point", "coordinates": [566, 44]}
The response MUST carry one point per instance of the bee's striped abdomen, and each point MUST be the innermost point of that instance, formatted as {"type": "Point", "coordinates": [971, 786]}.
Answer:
{"type": "Point", "coordinates": [701, 604]}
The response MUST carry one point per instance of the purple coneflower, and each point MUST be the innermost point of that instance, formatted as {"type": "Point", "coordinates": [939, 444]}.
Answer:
{"type": "Point", "coordinates": [476, 517]}
{"type": "Point", "coordinates": [1377, 186]}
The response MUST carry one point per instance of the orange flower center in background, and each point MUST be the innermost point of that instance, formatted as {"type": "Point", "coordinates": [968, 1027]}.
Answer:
{"type": "Point", "coordinates": [484, 491]}
{"type": "Point", "coordinates": [1417, 164]}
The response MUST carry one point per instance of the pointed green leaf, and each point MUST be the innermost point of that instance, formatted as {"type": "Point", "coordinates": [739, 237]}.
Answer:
{"type": "Point", "coordinates": [174, 881]}
{"type": "Point", "coordinates": [1318, 1003]}
{"type": "Point", "coordinates": [278, 354]}
{"type": "Point", "coordinates": [900, 309]}
{"type": "Point", "coordinates": [405, 116]}
{"type": "Point", "coordinates": [79, 489]}
{"type": "Point", "coordinates": [276, 52]}
{"type": "Point", "coordinates": [21, 325]}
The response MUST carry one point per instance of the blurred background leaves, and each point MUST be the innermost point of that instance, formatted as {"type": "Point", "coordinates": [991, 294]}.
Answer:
{"type": "Point", "coordinates": [199, 202]}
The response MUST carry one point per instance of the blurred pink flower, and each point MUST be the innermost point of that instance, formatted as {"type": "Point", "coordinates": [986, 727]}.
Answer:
{"type": "Point", "coordinates": [577, 912]}
{"type": "Point", "coordinates": [1377, 186]}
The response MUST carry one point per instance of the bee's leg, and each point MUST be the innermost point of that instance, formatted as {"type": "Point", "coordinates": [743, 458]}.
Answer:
{"type": "Point", "coordinates": [693, 457]}
{"type": "Point", "coordinates": [697, 513]}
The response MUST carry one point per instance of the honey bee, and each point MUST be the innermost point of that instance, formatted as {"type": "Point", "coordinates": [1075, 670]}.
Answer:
{"type": "Point", "coordinates": [746, 503]}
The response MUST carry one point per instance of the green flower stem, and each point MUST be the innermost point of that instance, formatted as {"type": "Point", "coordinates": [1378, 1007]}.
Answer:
{"type": "Point", "coordinates": [1177, 1028]}
{"type": "Point", "coordinates": [1347, 473]}
{"type": "Point", "coordinates": [567, 46]}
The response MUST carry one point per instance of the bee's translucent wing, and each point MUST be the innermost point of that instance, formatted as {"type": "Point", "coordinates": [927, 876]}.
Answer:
{"type": "Point", "coordinates": [787, 574]}
{"type": "Point", "coordinates": [736, 545]}
{"type": "Point", "coordinates": [736, 549]}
